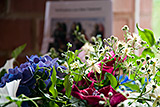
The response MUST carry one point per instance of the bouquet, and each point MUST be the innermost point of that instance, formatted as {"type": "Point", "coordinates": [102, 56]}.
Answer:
{"type": "Point", "coordinates": [104, 73]}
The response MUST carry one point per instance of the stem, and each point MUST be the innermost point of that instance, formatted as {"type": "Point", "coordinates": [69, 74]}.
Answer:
{"type": "Point", "coordinates": [101, 72]}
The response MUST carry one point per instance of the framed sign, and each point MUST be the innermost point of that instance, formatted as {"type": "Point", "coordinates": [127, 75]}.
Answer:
{"type": "Point", "coordinates": [61, 18]}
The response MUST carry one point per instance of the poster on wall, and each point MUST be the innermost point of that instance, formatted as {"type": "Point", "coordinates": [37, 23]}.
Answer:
{"type": "Point", "coordinates": [62, 18]}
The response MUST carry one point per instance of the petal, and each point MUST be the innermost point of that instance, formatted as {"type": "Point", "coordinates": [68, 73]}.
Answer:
{"type": "Point", "coordinates": [8, 65]}
{"type": "Point", "coordinates": [116, 99]}
{"type": "Point", "coordinates": [106, 90]}
{"type": "Point", "coordinates": [76, 92]}
{"type": "Point", "coordinates": [9, 90]}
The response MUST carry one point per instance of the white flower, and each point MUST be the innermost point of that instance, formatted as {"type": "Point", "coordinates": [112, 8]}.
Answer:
{"type": "Point", "coordinates": [8, 65]}
{"type": "Point", "coordinates": [153, 67]}
{"type": "Point", "coordinates": [149, 87]}
{"type": "Point", "coordinates": [87, 47]}
{"type": "Point", "coordinates": [76, 64]}
{"type": "Point", "coordinates": [66, 65]}
{"type": "Point", "coordinates": [93, 65]}
{"type": "Point", "coordinates": [156, 95]}
{"type": "Point", "coordinates": [120, 44]}
{"type": "Point", "coordinates": [9, 89]}
{"type": "Point", "coordinates": [134, 41]}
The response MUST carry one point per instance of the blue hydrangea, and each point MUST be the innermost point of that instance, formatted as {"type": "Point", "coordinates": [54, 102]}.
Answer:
{"type": "Point", "coordinates": [27, 70]}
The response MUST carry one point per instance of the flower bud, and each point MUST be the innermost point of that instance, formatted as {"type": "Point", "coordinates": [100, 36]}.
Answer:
{"type": "Point", "coordinates": [125, 27]}
{"type": "Point", "coordinates": [101, 102]}
{"type": "Point", "coordinates": [79, 33]}
{"type": "Point", "coordinates": [151, 61]}
{"type": "Point", "coordinates": [116, 55]}
{"type": "Point", "coordinates": [138, 62]}
{"type": "Point", "coordinates": [142, 59]}
{"type": "Point", "coordinates": [142, 68]}
{"type": "Point", "coordinates": [148, 57]}
{"type": "Point", "coordinates": [69, 45]}
{"type": "Point", "coordinates": [130, 65]}
{"type": "Point", "coordinates": [115, 39]}
{"type": "Point", "coordinates": [99, 36]}
{"type": "Point", "coordinates": [59, 69]}
{"type": "Point", "coordinates": [96, 43]}
{"type": "Point", "coordinates": [83, 36]}
{"type": "Point", "coordinates": [86, 57]}
{"type": "Point", "coordinates": [104, 40]}
{"type": "Point", "coordinates": [93, 39]}
{"type": "Point", "coordinates": [120, 45]}
{"type": "Point", "coordinates": [154, 86]}
{"type": "Point", "coordinates": [123, 88]}
{"type": "Point", "coordinates": [72, 76]}
{"type": "Point", "coordinates": [132, 57]}
{"type": "Point", "coordinates": [112, 37]}
{"type": "Point", "coordinates": [102, 95]}
{"type": "Point", "coordinates": [109, 39]}
{"type": "Point", "coordinates": [110, 94]}
{"type": "Point", "coordinates": [148, 71]}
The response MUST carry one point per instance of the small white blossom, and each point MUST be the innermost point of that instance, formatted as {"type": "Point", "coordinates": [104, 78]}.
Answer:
{"type": "Point", "coordinates": [87, 47]}
{"type": "Point", "coordinates": [93, 65]}
{"type": "Point", "coordinates": [156, 95]}
{"type": "Point", "coordinates": [76, 64]}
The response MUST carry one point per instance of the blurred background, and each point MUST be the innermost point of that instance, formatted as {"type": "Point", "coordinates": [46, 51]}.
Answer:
{"type": "Point", "coordinates": [22, 21]}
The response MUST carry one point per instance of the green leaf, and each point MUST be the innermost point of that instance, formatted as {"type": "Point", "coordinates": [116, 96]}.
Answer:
{"type": "Point", "coordinates": [2, 73]}
{"type": "Point", "coordinates": [142, 80]}
{"type": "Point", "coordinates": [71, 57]}
{"type": "Point", "coordinates": [146, 35]}
{"type": "Point", "coordinates": [53, 104]}
{"type": "Point", "coordinates": [112, 79]}
{"type": "Point", "coordinates": [149, 52]}
{"type": "Point", "coordinates": [77, 52]}
{"type": "Point", "coordinates": [41, 85]}
{"type": "Point", "coordinates": [17, 51]}
{"type": "Point", "coordinates": [132, 86]}
{"type": "Point", "coordinates": [53, 89]}
{"type": "Point", "coordinates": [132, 76]}
{"type": "Point", "coordinates": [19, 103]}
{"type": "Point", "coordinates": [130, 59]}
{"type": "Point", "coordinates": [77, 76]}
{"type": "Point", "coordinates": [67, 85]}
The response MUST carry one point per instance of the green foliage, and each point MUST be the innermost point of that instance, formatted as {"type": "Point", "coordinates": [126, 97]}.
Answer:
{"type": "Point", "coordinates": [67, 85]}
{"type": "Point", "coordinates": [112, 79]}
{"type": "Point", "coordinates": [2, 73]}
{"type": "Point", "coordinates": [132, 86]}
{"type": "Point", "coordinates": [17, 51]}
{"type": "Point", "coordinates": [53, 104]}
{"type": "Point", "coordinates": [146, 35]}
{"type": "Point", "coordinates": [53, 89]}
{"type": "Point", "coordinates": [147, 51]}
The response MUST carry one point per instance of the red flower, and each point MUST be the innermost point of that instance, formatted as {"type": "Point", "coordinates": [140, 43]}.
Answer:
{"type": "Point", "coordinates": [92, 77]}
{"type": "Point", "coordinates": [109, 63]}
{"type": "Point", "coordinates": [92, 96]}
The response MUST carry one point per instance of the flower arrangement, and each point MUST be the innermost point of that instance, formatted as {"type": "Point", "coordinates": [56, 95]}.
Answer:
{"type": "Point", "coordinates": [104, 73]}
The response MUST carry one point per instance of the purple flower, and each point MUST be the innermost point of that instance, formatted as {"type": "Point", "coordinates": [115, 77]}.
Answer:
{"type": "Point", "coordinates": [26, 71]}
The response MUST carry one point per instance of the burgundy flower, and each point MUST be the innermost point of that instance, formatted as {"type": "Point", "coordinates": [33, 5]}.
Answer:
{"type": "Point", "coordinates": [92, 96]}
{"type": "Point", "coordinates": [109, 62]}
{"type": "Point", "coordinates": [92, 77]}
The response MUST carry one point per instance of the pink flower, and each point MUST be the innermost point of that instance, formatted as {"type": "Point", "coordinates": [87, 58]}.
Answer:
{"type": "Point", "coordinates": [92, 96]}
